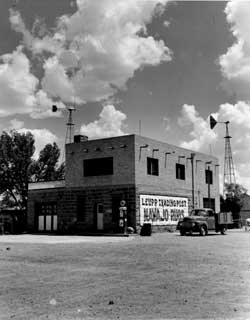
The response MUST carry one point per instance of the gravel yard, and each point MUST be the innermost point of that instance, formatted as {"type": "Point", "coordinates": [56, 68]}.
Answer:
{"type": "Point", "coordinates": [164, 276]}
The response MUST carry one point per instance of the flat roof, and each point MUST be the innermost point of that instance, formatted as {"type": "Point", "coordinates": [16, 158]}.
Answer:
{"type": "Point", "coordinates": [46, 185]}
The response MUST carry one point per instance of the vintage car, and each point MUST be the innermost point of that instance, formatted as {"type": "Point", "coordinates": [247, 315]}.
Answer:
{"type": "Point", "coordinates": [204, 220]}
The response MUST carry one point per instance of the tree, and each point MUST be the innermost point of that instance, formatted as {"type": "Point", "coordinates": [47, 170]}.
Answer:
{"type": "Point", "coordinates": [16, 151]}
{"type": "Point", "coordinates": [233, 201]}
{"type": "Point", "coordinates": [46, 168]}
{"type": "Point", "coordinates": [18, 168]}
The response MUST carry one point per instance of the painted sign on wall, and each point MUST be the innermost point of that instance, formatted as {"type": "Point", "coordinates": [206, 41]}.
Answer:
{"type": "Point", "coordinates": [162, 210]}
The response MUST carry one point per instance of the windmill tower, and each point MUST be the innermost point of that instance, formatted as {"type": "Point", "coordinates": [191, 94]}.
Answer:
{"type": "Point", "coordinates": [70, 124]}
{"type": "Point", "coordinates": [229, 172]}
{"type": "Point", "coordinates": [70, 127]}
{"type": "Point", "coordinates": [229, 175]}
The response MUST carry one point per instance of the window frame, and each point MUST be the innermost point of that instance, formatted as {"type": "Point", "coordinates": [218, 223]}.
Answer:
{"type": "Point", "coordinates": [95, 167]}
{"type": "Point", "coordinates": [208, 176]}
{"type": "Point", "coordinates": [152, 166]}
{"type": "Point", "coordinates": [206, 203]}
{"type": "Point", "coordinates": [180, 171]}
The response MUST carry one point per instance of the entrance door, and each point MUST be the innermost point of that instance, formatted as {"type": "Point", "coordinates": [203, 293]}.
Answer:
{"type": "Point", "coordinates": [46, 214]}
{"type": "Point", "coordinates": [99, 212]}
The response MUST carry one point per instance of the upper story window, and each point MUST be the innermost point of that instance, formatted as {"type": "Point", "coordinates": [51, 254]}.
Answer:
{"type": "Point", "coordinates": [180, 171]}
{"type": "Point", "coordinates": [153, 166]}
{"type": "Point", "coordinates": [209, 176]}
{"type": "Point", "coordinates": [209, 203]}
{"type": "Point", "coordinates": [98, 167]}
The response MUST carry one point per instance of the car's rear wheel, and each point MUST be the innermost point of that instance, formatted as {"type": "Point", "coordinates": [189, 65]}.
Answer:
{"type": "Point", "coordinates": [203, 231]}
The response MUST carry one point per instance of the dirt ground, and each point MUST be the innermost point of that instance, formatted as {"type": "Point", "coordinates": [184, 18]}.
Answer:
{"type": "Point", "coordinates": [164, 276]}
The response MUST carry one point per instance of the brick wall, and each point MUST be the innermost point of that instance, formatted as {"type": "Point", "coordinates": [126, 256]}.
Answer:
{"type": "Point", "coordinates": [120, 148]}
{"type": "Point", "coordinates": [166, 183]}
{"type": "Point", "coordinates": [130, 167]}
{"type": "Point", "coordinates": [42, 196]}
{"type": "Point", "coordinates": [69, 217]}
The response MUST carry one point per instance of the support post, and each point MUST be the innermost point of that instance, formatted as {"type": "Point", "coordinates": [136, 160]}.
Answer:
{"type": "Point", "coordinates": [192, 167]}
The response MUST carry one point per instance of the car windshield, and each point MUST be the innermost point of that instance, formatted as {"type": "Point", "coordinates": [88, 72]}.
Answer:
{"type": "Point", "coordinates": [199, 213]}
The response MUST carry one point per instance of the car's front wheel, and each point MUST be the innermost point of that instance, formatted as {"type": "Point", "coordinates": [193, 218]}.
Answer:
{"type": "Point", "coordinates": [182, 232]}
{"type": "Point", "coordinates": [203, 231]}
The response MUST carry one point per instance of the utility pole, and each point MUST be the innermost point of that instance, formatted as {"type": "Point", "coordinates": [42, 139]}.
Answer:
{"type": "Point", "coordinates": [208, 181]}
{"type": "Point", "coordinates": [192, 176]}
{"type": "Point", "coordinates": [192, 166]}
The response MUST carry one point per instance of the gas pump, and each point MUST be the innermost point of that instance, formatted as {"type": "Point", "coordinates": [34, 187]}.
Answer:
{"type": "Point", "coordinates": [123, 223]}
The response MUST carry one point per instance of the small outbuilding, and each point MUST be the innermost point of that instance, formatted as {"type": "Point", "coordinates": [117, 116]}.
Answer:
{"type": "Point", "coordinates": [12, 221]}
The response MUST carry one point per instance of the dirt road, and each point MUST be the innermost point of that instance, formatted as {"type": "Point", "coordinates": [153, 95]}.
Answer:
{"type": "Point", "coordinates": [164, 276]}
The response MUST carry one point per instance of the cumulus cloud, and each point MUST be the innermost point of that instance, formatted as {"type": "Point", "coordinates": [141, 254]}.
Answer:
{"type": "Point", "coordinates": [166, 23]}
{"type": "Point", "coordinates": [16, 124]}
{"type": "Point", "coordinates": [56, 82]}
{"type": "Point", "coordinates": [235, 63]}
{"type": "Point", "coordinates": [19, 92]}
{"type": "Point", "coordinates": [235, 67]}
{"type": "Point", "coordinates": [166, 123]}
{"type": "Point", "coordinates": [42, 137]}
{"type": "Point", "coordinates": [109, 124]}
{"type": "Point", "coordinates": [38, 40]}
{"type": "Point", "coordinates": [201, 133]}
{"type": "Point", "coordinates": [94, 51]}
{"type": "Point", "coordinates": [201, 136]}
{"type": "Point", "coordinates": [17, 84]}
{"type": "Point", "coordinates": [43, 104]}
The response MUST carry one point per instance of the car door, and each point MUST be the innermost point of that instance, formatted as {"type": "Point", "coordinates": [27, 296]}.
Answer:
{"type": "Point", "coordinates": [210, 220]}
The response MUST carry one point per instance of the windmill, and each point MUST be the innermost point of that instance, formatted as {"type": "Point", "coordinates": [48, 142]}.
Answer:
{"type": "Point", "coordinates": [70, 125]}
{"type": "Point", "coordinates": [229, 172]}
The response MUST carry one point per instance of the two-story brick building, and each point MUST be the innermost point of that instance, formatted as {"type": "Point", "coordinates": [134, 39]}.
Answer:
{"type": "Point", "coordinates": [159, 183]}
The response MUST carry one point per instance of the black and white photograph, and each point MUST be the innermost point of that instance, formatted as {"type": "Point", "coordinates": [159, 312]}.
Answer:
{"type": "Point", "coordinates": [124, 160]}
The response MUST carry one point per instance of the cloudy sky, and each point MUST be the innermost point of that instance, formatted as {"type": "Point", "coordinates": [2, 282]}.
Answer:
{"type": "Point", "coordinates": [165, 64]}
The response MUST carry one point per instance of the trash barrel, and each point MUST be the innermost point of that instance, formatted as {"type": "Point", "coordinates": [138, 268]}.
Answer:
{"type": "Point", "coordinates": [146, 229]}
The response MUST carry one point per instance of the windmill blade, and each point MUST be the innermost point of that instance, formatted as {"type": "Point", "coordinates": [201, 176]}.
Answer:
{"type": "Point", "coordinates": [54, 108]}
{"type": "Point", "coordinates": [213, 122]}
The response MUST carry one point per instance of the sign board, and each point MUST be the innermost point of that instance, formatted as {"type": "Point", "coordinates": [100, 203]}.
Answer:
{"type": "Point", "coordinates": [162, 210]}
{"type": "Point", "coordinates": [123, 203]}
